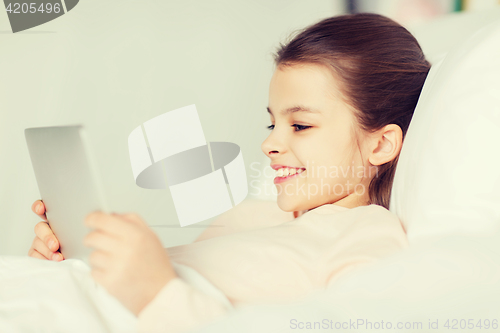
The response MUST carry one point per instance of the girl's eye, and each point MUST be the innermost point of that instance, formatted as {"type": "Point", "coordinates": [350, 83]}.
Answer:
{"type": "Point", "coordinates": [300, 127]}
{"type": "Point", "coordinates": [297, 127]}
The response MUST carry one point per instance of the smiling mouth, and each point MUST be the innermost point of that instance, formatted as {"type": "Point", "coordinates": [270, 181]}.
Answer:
{"type": "Point", "coordinates": [285, 174]}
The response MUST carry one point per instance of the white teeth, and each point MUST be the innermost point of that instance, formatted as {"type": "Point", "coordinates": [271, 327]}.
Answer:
{"type": "Point", "coordinates": [283, 172]}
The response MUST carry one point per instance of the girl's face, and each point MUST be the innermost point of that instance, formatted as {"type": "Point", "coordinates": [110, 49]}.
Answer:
{"type": "Point", "coordinates": [313, 130]}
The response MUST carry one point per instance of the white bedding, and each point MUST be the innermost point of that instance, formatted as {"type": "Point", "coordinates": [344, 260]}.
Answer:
{"type": "Point", "coordinates": [47, 296]}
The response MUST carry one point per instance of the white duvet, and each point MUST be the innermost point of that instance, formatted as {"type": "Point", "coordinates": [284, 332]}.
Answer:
{"type": "Point", "coordinates": [453, 279]}
{"type": "Point", "coordinates": [45, 296]}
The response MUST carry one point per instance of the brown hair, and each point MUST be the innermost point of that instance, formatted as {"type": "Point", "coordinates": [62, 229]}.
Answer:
{"type": "Point", "coordinates": [381, 68]}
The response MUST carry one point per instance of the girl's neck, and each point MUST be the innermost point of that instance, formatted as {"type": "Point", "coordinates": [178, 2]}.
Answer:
{"type": "Point", "coordinates": [347, 202]}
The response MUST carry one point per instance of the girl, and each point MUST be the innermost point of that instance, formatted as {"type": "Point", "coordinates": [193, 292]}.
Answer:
{"type": "Point", "coordinates": [340, 102]}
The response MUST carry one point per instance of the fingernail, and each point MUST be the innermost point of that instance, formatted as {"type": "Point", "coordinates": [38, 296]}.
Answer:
{"type": "Point", "coordinates": [52, 244]}
{"type": "Point", "coordinates": [55, 256]}
{"type": "Point", "coordinates": [39, 208]}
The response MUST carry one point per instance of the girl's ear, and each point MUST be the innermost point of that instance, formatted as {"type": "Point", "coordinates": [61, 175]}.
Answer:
{"type": "Point", "coordinates": [385, 144]}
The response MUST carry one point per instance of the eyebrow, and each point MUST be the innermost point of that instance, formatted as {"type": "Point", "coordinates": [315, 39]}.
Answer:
{"type": "Point", "coordinates": [298, 108]}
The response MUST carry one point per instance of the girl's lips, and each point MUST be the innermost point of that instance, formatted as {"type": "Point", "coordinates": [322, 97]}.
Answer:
{"type": "Point", "coordinates": [278, 180]}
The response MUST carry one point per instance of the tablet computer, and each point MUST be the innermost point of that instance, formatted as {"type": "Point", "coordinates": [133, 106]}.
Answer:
{"type": "Point", "coordinates": [68, 183]}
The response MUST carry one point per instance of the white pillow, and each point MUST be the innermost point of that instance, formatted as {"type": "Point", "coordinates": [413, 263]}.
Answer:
{"type": "Point", "coordinates": [448, 174]}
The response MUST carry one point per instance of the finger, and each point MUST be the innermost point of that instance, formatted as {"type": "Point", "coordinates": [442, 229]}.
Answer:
{"type": "Point", "coordinates": [100, 240]}
{"type": "Point", "coordinates": [45, 233]}
{"type": "Point", "coordinates": [35, 254]}
{"type": "Point", "coordinates": [57, 256]}
{"type": "Point", "coordinates": [135, 218]}
{"type": "Point", "coordinates": [99, 260]}
{"type": "Point", "coordinates": [99, 275]}
{"type": "Point", "coordinates": [109, 223]}
{"type": "Point", "coordinates": [42, 248]}
{"type": "Point", "coordinates": [35, 205]}
{"type": "Point", "coordinates": [38, 208]}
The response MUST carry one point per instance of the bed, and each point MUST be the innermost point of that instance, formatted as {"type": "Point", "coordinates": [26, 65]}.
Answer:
{"type": "Point", "coordinates": [446, 193]}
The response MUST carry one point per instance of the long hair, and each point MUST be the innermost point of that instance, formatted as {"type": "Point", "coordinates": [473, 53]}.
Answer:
{"type": "Point", "coordinates": [381, 68]}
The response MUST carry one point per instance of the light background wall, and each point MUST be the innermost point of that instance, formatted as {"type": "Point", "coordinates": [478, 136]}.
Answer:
{"type": "Point", "coordinates": [113, 64]}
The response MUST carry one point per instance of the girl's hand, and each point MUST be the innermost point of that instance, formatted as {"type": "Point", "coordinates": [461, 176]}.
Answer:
{"type": "Point", "coordinates": [45, 245]}
{"type": "Point", "coordinates": [129, 260]}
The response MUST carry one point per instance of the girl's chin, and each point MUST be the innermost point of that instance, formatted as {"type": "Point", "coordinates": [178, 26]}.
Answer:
{"type": "Point", "coordinates": [289, 203]}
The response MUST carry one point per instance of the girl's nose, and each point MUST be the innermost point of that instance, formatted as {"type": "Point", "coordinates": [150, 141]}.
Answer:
{"type": "Point", "coordinates": [272, 145]}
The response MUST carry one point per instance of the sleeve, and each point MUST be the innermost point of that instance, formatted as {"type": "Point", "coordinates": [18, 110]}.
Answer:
{"type": "Point", "coordinates": [179, 307]}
